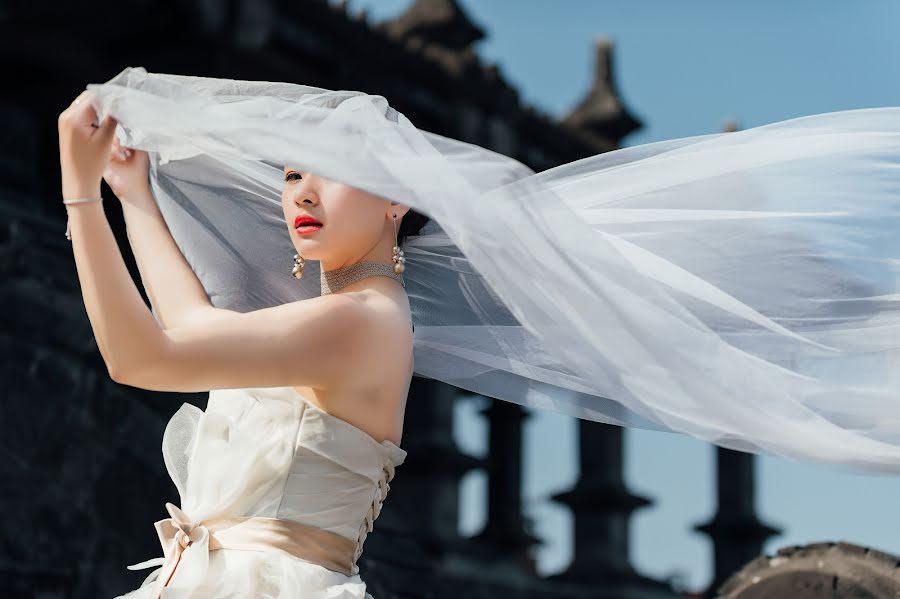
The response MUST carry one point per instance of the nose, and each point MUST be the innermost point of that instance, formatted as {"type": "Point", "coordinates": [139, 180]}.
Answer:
{"type": "Point", "coordinates": [305, 198]}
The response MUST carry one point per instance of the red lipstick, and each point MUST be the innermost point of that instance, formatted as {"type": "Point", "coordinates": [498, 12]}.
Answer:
{"type": "Point", "coordinates": [306, 224]}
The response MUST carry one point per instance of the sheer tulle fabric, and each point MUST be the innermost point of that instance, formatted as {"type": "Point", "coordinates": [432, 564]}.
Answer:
{"type": "Point", "coordinates": [738, 287]}
{"type": "Point", "coordinates": [261, 575]}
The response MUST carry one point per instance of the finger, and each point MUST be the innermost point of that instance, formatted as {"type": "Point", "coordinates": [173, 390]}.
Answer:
{"type": "Point", "coordinates": [82, 115]}
{"type": "Point", "coordinates": [85, 95]}
{"type": "Point", "coordinates": [117, 155]}
{"type": "Point", "coordinates": [116, 151]}
{"type": "Point", "coordinates": [107, 129]}
{"type": "Point", "coordinates": [95, 118]}
{"type": "Point", "coordinates": [117, 145]}
{"type": "Point", "coordinates": [83, 104]}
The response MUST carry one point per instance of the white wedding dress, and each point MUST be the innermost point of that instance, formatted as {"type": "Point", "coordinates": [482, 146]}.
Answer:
{"type": "Point", "coordinates": [267, 452]}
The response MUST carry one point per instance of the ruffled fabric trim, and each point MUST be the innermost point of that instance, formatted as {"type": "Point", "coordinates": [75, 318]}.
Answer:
{"type": "Point", "coordinates": [233, 574]}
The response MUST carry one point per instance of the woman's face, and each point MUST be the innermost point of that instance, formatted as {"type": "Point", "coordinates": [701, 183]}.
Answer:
{"type": "Point", "coordinates": [355, 225]}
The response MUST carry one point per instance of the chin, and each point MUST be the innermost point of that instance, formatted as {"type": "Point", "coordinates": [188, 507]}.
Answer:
{"type": "Point", "coordinates": [308, 251]}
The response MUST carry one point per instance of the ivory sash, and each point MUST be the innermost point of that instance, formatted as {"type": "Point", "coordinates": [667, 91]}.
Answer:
{"type": "Point", "coordinates": [186, 545]}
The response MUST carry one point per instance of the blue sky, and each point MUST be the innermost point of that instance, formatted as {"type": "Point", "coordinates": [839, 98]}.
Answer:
{"type": "Point", "coordinates": [685, 68]}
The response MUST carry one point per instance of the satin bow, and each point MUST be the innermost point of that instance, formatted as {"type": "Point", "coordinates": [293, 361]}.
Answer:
{"type": "Point", "coordinates": [185, 546]}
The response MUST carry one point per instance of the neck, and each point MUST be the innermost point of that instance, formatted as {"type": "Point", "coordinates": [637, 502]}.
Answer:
{"type": "Point", "coordinates": [336, 279]}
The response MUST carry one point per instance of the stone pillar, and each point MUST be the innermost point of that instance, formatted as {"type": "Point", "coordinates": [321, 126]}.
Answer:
{"type": "Point", "coordinates": [602, 506]}
{"type": "Point", "coordinates": [737, 534]}
{"type": "Point", "coordinates": [505, 541]}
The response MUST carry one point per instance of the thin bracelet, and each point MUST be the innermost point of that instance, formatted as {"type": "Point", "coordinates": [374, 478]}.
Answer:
{"type": "Point", "coordinates": [77, 201]}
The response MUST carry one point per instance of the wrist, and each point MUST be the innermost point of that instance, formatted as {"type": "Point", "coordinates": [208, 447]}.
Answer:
{"type": "Point", "coordinates": [139, 194]}
{"type": "Point", "coordinates": [76, 202]}
{"type": "Point", "coordinates": [81, 192]}
{"type": "Point", "coordinates": [140, 203]}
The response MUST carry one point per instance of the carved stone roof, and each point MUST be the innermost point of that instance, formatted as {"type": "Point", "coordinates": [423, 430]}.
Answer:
{"type": "Point", "coordinates": [602, 110]}
{"type": "Point", "coordinates": [439, 21]}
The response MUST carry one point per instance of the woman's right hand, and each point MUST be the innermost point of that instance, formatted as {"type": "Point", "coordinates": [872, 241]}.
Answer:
{"type": "Point", "coordinates": [127, 173]}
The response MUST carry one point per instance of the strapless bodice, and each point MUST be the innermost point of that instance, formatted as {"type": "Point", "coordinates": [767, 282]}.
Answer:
{"type": "Point", "coordinates": [269, 452]}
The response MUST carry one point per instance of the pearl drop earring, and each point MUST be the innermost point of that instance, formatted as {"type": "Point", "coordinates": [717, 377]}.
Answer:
{"type": "Point", "coordinates": [299, 262]}
{"type": "Point", "coordinates": [399, 259]}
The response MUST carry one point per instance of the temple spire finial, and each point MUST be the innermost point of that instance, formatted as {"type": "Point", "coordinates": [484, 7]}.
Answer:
{"type": "Point", "coordinates": [602, 111]}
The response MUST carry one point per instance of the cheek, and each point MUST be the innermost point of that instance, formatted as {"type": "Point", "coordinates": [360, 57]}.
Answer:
{"type": "Point", "coordinates": [349, 222]}
{"type": "Point", "coordinates": [356, 215]}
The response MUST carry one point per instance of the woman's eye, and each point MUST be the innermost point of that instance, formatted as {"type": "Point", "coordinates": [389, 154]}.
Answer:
{"type": "Point", "coordinates": [292, 176]}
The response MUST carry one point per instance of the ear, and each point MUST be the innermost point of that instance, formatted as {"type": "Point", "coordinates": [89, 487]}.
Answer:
{"type": "Point", "coordinates": [398, 209]}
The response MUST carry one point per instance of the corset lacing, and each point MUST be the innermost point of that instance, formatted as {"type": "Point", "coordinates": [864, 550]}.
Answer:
{"type": "Point", "coordinates": [381, 491]}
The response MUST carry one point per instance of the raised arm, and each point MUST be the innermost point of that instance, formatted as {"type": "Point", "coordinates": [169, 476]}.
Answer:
{"type": "Point", "coordinates": [314, 342]}
{"type": "Point", "coordinates": [174, 289]}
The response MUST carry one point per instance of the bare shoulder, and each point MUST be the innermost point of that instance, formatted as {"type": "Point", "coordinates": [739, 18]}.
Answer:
{"type": "Point", "coordinates": [382, 299]}
{"type": "Point", "coordinates": [386, 310]}
{"type": "Point", "coordinates": [378, 311]}
{"type": "Point", "coordinates": [384, 340]}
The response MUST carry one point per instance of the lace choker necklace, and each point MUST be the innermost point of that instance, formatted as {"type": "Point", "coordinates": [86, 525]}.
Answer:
{"type": "Point", "coordinates": [337, 279]}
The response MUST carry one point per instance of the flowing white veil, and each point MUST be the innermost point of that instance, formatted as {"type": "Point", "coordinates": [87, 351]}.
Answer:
{"type": "Point", "coordinates": [738, 287]}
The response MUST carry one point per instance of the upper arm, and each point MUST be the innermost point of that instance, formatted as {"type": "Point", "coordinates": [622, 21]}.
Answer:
{"type": "Point", "coordinates": [203, 315]}
{"type": "Point", "coordinates": [306, 343]}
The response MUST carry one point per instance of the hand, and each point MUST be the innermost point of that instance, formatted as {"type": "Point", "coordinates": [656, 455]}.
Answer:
{"type": "Point", "coordinates": [127, 173]}
{"type": "Point", "coordinates": [83, 148]}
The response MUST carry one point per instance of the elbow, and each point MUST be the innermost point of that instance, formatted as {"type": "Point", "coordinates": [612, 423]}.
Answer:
{"type": "Point", "coordinates": [122, 373]}
{"type": "Point", "coordinates": [133, 376]}
{"type": "Point", "coordinates": [115, 373]}
{"type": "Point", "coordinates": [113, 367]}
{"type": "Point", "coordinates": [139, 370]}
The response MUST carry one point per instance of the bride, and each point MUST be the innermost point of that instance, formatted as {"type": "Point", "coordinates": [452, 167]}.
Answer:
{"type": "Point", "coordinates": [340, 364]}
{"type": "Point", "coordinates": [738, 287]}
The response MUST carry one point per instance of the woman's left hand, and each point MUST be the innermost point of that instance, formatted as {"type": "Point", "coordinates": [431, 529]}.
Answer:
{"type": "Point", "coordinates": [83, 148]}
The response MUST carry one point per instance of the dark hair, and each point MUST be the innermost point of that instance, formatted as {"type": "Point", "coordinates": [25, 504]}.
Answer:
{"type": "Point", "coordinates": [411, 224]}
